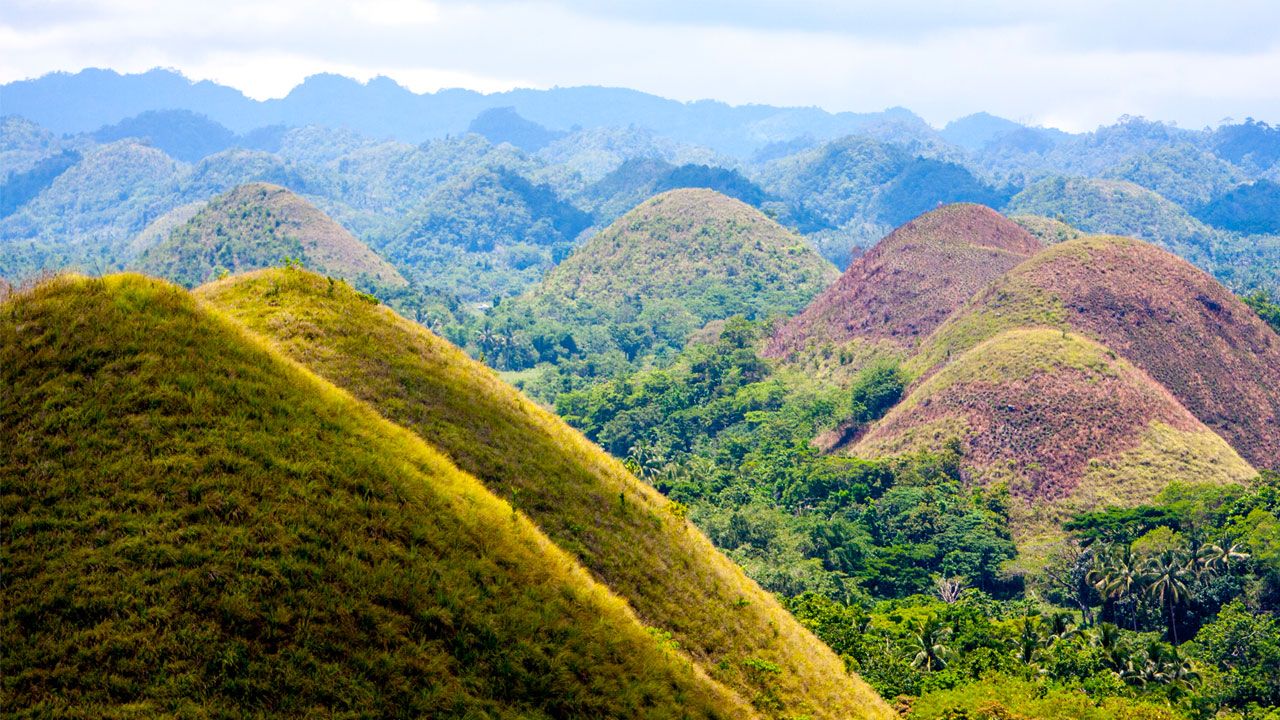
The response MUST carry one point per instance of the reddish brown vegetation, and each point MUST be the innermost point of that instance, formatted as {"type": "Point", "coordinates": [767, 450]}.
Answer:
{"type": "Point", "coordinates": [911, 280]}
{"type": "Point", "coordinates": [1173, 321]}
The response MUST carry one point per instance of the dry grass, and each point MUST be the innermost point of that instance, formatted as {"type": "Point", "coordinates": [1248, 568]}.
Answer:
{"type": "Point", "coordinates": [623, 531]}
{"type": "Point", "coordinates": [197, 526]}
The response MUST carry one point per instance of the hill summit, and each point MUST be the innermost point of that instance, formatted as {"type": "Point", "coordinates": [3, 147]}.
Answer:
{"type": "Point", "coordinates": [695, 248]}
{"type": "Point", "coordinates": [259, 225]}
{"type": "Point", "coordinates": [906, 285]}
{"type": "Point", "coordinates": [1169, 319]}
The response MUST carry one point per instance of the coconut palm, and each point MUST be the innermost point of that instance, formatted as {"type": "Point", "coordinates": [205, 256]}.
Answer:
{"type": "Point", "coordinates": [1117, 575]}
{"type": "Point", "coordinates": [1030, 637]}
{"type": "Point", "coordinates": [1218, 558]}
{"type": "Point", "coordinates": [1169, 575]}
{"type": "Point", "coordinates": [929, 638]}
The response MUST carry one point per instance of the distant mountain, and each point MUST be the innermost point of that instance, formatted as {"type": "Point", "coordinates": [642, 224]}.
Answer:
{"type": "Point", "coordinates": [504, 125]}
{"type": "Point", "coordinates": [1251, 208]}
{"type": "Point", "coordinates": [973, 132]}
{"type": "Point", "coordinates": [638, 179]}
{"type": "Point", "coordinates": [87, 215]}
{"type": "Point", "coordinates": [907, 284]}
{"type": "Point", "coordinates": [215, 529]}
{"type": "Point", "coordinates": [182, 134]}
{"type": "Point", "coordinates": [1118, 208]}
{"type": "Point", "coordinates": [627, 535]}
{"type": "Point", "coordinates": [1170, 320]}
{"type": "Point", "coordinates": [90, 99]}
{"type": "Point", "coordinates": [257, 226]}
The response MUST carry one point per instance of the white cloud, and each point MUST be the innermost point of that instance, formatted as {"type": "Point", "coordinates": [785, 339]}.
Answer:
{"type": "Point", "coordinates": [1015, 59]}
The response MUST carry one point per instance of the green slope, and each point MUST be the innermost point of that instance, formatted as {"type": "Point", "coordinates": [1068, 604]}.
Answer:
{"type": "Point", "coordinates": [630, 537]}
{"type": "Point", "coordinates": [257, 225]}
{"type": "Point", "coordinates": [196, 526]}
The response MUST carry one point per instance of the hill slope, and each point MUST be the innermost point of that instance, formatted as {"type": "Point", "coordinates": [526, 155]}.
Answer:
{"type": "Point", "coordinates": [1068, 424]}
{"type": "Point", "coordinates": [630, 537]}
{"type": "Point", "coordinates": [1166, 317]}
{"type": "Point", "coordinates": [911, 281]}
{"type": "Point", "coordinates": [258, 225]}
{"type": "Point", "coordinates": [195, 524]}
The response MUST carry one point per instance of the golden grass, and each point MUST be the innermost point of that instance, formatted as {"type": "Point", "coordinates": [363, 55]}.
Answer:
{"type": "Point", "coordinates": [622, 530]}
{"type": "Point", "coordinates": [197, 526]}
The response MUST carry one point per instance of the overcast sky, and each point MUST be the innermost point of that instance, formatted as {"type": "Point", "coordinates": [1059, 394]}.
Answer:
{"type": "Point", "coordinates": [1072, 64]}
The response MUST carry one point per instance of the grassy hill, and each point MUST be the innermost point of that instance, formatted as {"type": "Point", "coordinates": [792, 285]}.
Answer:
{"type": "Point", "coordinates": [1117, 207]}
{"type": "Point", "coordinates": [1065, 422]}
{"type": "Point", "coordinates": [622, 530]}
{"type": "Point", "coordinates": [1158, 312]}
{"type": "Point", "coordinates": [641, 287]}
{"type": "Point", "coordinates": [258, 225]}
{"type": "Point", "coordinates": [909, 283]}
{"type": "Point", "coordinates": [197, 525]}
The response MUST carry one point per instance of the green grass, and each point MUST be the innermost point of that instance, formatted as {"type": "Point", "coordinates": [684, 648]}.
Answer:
{"type": "Point", "coordinates": [196, 526]}
{"type": "Point", "coordinates": [621, 529]}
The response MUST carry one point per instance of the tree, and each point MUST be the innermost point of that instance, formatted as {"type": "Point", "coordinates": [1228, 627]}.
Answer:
{"type": "Point", "coordinates": [929, 638]}
{"type": "Point", "coordinates": [1116, 575]}
{"type": "Point", "coordinates": [1168, 576]}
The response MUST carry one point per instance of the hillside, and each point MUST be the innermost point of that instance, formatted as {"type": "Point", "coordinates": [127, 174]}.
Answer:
{"type": "Point", "coordinates": [196, 525]}
{"type": "Point", "coordinates": [662, 271]}
{"type": "Point", "coordinates": [86, 216]}
{"type": "Point", "coordinates": [1065, 422]}
{"type": "Point", "coordinates": [1172, 321]}
{"type": "Point", "coordinates": [622, 530]}
{"type": "Point", "coordinates": [258, 225]}
{"type": "Point", "coordinates": [910, 281]}
{"type": "Point", "coordinates": [1117, 207]}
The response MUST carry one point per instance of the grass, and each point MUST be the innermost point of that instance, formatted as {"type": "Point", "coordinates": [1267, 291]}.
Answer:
{"type": "Point", "coordinates": [196, 526]}
{"type": "Point", "coordinates": [1065, 422]}
{"type": "Point", "coordinates": [257, 225]}
{"type": "Point", "coordinates": [622, 530]}
{"type": "Point", "coordinates": [1167, 318]}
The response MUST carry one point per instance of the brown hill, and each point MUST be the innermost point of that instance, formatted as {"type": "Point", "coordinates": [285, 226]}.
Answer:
{"type": "Point", "coordinates": [1066, 422]}
{"type": "Point", "coordinates": [258, 225]}
{"type": "Point", "coordinates": [910, 281]}
{"type": "Point", "coordinates": [1166, 317]}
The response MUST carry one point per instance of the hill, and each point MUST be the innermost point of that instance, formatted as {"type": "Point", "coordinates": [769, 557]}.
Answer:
{"type": "Point", "coordinates": [622, 530]}
{"type": "Point", "coordinates": [181, 134]}
{"type": "Point", "coordinates": [87, 214]}
{"type": "Point", "coordinates": [1117, 207]}
{"type": "Point", "coordinates": [258, 225]}
{"type": "Point", "coordinates": [197, 525]}
{"type": "Point", "coordinates": [660, 272]}
{"type": "Point", "coordinates": [1169, 319]}
{"type": "Point", "coordinates": [1065, 422]}
{"type": "Point", "coordinates": [910, 281]}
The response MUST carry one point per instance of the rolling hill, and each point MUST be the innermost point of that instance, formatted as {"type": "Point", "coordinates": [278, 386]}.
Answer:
{"type": "Point", "coordinates": [646, 283]}
{"type": "Point", "coordinates": [1068, 424]}
{"type": "Point", "coordinates": [258, 225]}
{"type": "Point", "coordinates": [197, 525]}
{"type": "Point", "coordinates": [626, 534]}
{"type": "Point", "coordinates": [1172, 321]}
{"type": "Point", "coordinates": [909, 282]}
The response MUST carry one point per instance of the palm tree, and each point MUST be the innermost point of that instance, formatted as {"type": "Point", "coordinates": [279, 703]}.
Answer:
{"type": "Point", "coordinates": [929, 640]}
{"type": "Point", "coordinates": [1216, 558]}
{"type": "Point", "coordinates": [1030, 638]}
{"type": "Point", "coordinates": [1169, 574]}
{"type": "Point", "coordinates": [1106, 637]}
{"type": "Point", "coordinates": [1116, 575]}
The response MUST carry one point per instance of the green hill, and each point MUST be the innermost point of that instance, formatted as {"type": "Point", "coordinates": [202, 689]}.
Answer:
{"type": "Point", "coordinates": [1067, 424]}
{"type": "Point", "coordinates": [197, 526]}
{"type": "Point", "coordinates": [1169, 319]}
{"type": "Point", "coordinates": [1117, 207]}
{"type": "Point", "coordinates": [623, 531]}
{"type": "Point", "coordinates": [258, 225]}
{"type": "Point", "coordinates": [643, 285]}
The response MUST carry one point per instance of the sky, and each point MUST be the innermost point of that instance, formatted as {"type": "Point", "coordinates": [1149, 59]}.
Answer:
{"type": "Point", "coordinates": [1073, 65]}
